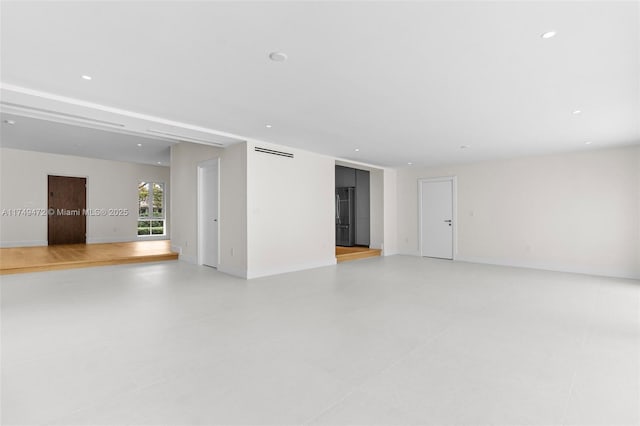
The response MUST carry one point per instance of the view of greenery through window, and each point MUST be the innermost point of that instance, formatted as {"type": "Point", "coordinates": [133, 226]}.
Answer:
{"type": "Point", "coordinates": [151, 208]}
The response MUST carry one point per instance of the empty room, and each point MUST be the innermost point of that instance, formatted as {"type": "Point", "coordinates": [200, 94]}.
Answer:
{"type": "Point", "coordinates": [320, 212]}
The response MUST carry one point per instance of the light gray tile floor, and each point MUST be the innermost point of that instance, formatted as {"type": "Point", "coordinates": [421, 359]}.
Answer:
{"type": "Point", "coordinates": [396, 340]}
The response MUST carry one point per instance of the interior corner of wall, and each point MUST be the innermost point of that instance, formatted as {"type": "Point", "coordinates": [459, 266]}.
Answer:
{"type": "Point", "coordinates": [236, 272]}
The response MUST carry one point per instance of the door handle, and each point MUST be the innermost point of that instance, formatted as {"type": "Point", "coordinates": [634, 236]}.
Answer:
{"type": "Point", "coordinates": [215, 220]}
{"type": "Point", "coordinates": [448, 221]}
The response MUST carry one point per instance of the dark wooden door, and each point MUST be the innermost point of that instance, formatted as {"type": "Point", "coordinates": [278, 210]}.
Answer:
{"type": "Point", "coordinates": [67, 204]}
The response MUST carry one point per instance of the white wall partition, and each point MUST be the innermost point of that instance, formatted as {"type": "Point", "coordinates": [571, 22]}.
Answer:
{"type": "Point", "coordinates": [377, 208]}
{"type": "Point", "coordinates": [233, 210]}
{"type": "Point", "coordinates": [390, 183]}
{"type": "Point", "coordinates": [290, 210]}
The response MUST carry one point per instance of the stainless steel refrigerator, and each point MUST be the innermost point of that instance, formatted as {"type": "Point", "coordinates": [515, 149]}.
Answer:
{"type": "Point", "coordinates": [345, 217]}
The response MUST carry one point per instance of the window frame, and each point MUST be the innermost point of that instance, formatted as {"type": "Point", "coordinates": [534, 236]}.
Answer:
{"type": "Point", "coordinates": [150, 218]}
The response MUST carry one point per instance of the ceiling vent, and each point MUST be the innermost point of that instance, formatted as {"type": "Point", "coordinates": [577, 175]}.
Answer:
{"type": "Point", "coordinates": [273, 152]}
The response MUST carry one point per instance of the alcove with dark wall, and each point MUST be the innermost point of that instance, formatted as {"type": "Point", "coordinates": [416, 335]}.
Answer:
{"type": "Point", "coordinates": [347, 177]}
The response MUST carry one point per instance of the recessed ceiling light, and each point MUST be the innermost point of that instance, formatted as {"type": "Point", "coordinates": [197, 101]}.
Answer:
{"type": "Point", "coordinates": [548, 34]}
{"type": "Point", "coordinates": [588, 143]}
{"type": "Point", "coordinates": [139, 144]}
{"type": "Point", "coordinates": [357, 150]}
{"type": "Point", "coordinates": [278, 56]}
{"type": "Point", "coordinates": [576, 112]}
{"type": "Point", "coordinates": [87, 77]}
{"type": "Point", "coordinates": [268, 126]}
{"type": "Point", "coordinates": [410, 163]}
{"type": "Point", "coordinates": [159, 162]}
{"type": "Point", "coordinates": [465, 146]}
{"type": "Point", "coordinates": [10, 122]}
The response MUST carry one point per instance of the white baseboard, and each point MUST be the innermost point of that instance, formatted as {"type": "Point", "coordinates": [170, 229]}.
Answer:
{"type": "Point", "coordinates": [90, 240]}
{"type": "Point", "coordinates": [573, 269]}
{"type": "Point", "coordinates": [189, 259]}
{"type": "Point", "coordinates": [587, 270]}
{"type": "Point", "coordinates": [236, 272]}
{"type": "Point", "coordinates": [408, 253]}
{"type": "Point", "coordinates": [183, 257]}
{"type": "Point", "coordinates": [292, 268]}
{"type": "Point", "coordinates": [102, 240]}
{"type": "Point", "coordinates": [28, 243]}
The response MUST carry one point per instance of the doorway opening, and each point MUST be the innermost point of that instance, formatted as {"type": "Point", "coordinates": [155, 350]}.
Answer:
{"type": "Point", "coordinates": [358, 211]}
{"type": "Point", "coordinates": [353, 210]}
{"type": "Point", "coordinates": [67, 204]}
{"type": "Point", "coordinates": [208, 212]}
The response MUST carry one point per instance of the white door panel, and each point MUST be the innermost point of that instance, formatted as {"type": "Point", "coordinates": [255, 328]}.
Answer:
{"type": "Point", "coordinates": [436, 218]}
{"type": "Point", "coordinates": [209, 215]}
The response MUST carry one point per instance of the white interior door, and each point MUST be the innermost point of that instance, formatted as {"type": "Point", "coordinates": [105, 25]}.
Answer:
{"type": "Point", "coordinates": [436, 221]}
{"type": "Point", "coordinates": [209, 214]}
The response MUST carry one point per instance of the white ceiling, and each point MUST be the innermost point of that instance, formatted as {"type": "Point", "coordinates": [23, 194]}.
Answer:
{"type": "Point", "coordinates": [401, 81]}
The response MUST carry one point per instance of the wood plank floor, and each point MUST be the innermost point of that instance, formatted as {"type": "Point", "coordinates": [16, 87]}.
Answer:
{"type": "Point", "coordinates": [345, 254]}
{"type": "Point", "coordinates": [48, 258]}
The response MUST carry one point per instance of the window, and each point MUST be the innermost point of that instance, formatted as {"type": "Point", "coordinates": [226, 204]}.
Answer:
{"type": "Point", "coordinates": [151, 220]}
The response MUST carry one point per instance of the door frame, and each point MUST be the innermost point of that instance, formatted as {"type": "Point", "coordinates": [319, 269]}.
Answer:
{"type": "Point", "coordinates": [454, 210]}
{"type": "Point", "coordinates": [200, 208]}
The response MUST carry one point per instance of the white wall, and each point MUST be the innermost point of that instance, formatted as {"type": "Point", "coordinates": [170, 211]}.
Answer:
{"type": "Point", "coordinates": [233, 210]}
{"type": "Point", "coordinates": [638, 203]}
{"type": "Point", "coordinates": [390, 212]}
{"type": "Point", "coordinates": [577, 212]}
{"type": "Point", "coordinates": [376, 208]}
{"type": "Point", "coordinates": [110, 185]}
{"type": "Point", "coordinates": [290, 203]}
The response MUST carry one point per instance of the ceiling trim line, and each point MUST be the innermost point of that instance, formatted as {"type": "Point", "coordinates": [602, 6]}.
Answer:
{"type": "Point", "coordinates": [117, 111]}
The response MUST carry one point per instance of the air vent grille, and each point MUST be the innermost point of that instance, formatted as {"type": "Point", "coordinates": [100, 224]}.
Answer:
{"type": "Point", "coordinates": [273, 152]}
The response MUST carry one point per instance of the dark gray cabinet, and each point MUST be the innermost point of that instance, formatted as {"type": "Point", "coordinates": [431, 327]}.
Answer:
{"type": "Point", "coordinates": [345, 177]}
{"type": "Point", "coordinates": [363, 219]}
